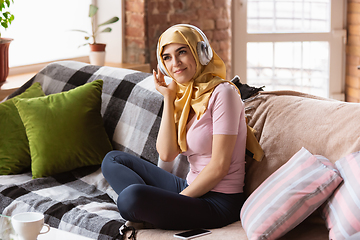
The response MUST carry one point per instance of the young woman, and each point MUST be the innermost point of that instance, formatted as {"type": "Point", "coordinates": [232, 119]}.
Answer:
{"type": "Point", "coordinates": [203, 118]}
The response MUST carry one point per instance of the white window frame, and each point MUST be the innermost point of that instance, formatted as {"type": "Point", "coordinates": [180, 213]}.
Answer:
{"type": "Point", "coordinates": [336, 39]}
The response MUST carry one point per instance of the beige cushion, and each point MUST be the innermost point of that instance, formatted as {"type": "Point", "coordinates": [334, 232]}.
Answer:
{"type": "Point", "coordinates": [286, 121]}
{"type": "Point", "coordinates": [312, 228]}
{"type": "Point", "coordinates": [232, 231]}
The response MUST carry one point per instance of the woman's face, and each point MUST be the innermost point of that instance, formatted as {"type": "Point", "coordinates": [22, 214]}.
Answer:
{"type": "Point", "coordinates": [179, 62]}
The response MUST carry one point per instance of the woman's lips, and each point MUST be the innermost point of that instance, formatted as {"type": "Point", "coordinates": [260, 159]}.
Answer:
{"type": "Point", "coordinates": [179, 71]}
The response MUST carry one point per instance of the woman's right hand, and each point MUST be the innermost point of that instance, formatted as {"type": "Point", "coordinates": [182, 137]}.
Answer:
{"type": "Point", "coordinates": [167, 90]}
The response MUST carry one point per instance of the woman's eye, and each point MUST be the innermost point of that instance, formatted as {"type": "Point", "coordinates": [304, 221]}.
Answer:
{"type": "Point", "coordinates": [166, 58]}
{"type": "Point", "coordinates": [182, 52]}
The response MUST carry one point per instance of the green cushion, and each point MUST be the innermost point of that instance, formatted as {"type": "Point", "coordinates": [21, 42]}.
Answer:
{"type": "Point", "coordinates": [14, 145]}
{"type": "Point", "coordinates": [65, 130]}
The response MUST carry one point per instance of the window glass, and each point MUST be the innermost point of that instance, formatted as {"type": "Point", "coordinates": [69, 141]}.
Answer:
{"type": "Point", "coordinates": [277, 16]}
{"type": "Point", "coordinates": [298, 66]}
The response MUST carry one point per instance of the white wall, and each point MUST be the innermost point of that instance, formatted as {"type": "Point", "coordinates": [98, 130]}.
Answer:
{"type": "Point", "coordinates": [113, 40]}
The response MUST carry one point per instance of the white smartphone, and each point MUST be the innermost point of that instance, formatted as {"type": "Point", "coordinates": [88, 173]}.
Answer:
{"type": "Point", "coordinates": [192, 233]}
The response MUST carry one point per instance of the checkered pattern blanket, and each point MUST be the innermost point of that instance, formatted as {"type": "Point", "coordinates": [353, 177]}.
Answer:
{"type": "Point", "coordinates": [81, 201]}
{"type": "Point", "coordinates": [78, 201]}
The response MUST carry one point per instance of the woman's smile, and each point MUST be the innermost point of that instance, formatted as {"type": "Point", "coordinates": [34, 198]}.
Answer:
{"type": "Point", "coordinates": [179, 71]}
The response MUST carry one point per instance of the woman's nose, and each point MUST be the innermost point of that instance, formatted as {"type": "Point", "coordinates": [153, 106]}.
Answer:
{"type": "Point", "coordinates": [176, 60]}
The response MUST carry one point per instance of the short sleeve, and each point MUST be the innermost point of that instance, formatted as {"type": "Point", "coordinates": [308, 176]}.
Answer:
{"type": "Point", "coordinates": [227, 109]}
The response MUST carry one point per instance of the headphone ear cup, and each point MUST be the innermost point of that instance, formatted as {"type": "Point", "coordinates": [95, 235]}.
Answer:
{"type": "Point", "coordinates": [160, 63]}
{"type": "Point", "coordinates": [162, 69]}
{"type": "Point", "coordinates": [203, 53]}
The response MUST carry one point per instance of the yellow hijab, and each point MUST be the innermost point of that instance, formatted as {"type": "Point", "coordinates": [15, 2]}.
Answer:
{"type": "Point", "coordinates": [196, 93]}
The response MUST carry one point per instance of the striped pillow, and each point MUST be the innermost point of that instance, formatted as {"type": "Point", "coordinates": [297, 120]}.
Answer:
{"type": "Point", "coordinates": [342, 211]}
{"type": "Point", "coordinates": [288, 196]}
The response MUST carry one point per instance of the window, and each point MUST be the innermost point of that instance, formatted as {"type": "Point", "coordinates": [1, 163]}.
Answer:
{"type": "Point", "coordinates": [41, 30]}
{"type": "Point", "coordinates": [288, 16]}
{"type": "Point", "coordinates": [291, 45]}
{"type": "Point", "coordinates": [299, 66]}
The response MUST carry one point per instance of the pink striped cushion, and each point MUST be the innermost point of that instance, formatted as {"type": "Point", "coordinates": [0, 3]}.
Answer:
{"type": "Point", "coordinates": [289, 195]}
{"type": "Point", "coordinates": [342, 210]}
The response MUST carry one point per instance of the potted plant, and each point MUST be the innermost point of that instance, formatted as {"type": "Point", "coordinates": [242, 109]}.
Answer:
{"type": "Point", "coordinates": [6, 19]}
{"type": "Point", "coordinates": [97, 50]}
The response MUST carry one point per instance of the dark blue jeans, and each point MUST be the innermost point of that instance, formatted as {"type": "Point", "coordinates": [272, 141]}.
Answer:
{"type": "Point", "coordinates": [150, 194]}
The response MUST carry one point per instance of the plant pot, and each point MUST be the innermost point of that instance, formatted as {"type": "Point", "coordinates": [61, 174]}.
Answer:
{"type": "Point", "coordinates": [97, 54]}
{"type": "Point", "coordinates": [4, 58]}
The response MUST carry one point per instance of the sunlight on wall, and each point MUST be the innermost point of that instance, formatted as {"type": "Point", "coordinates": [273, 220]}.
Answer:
{"type": "Point", "coordinates": [41, 30]}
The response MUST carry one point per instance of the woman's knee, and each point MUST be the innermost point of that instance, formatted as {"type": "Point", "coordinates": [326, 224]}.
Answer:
{"type": "Point", "coordinates": [110, 159]}
{"type": "Point", "coordinates": [131, 200]}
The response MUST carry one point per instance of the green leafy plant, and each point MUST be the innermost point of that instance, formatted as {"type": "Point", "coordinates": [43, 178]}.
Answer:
{"type": "Point", "coordinates": [95, 29]}
{"type": "Point", "coordinates": [6, 17]}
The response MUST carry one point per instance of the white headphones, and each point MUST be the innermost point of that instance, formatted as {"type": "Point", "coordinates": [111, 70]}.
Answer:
{"type": "Point", "coordinates": [203, 49]}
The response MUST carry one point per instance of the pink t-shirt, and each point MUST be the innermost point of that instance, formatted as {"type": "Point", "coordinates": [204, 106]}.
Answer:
{"type": "Point", "coordinates": [225, 115]}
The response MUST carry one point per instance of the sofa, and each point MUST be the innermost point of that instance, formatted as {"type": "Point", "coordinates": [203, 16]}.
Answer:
{"type": "Point", "coordinates": [75, 197]}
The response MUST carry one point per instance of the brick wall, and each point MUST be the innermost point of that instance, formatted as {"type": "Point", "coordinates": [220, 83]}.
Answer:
{"type": "Point", "coordinates": [135, 32]}
{"type": "Point", "coordinates": [352, 89]}
{"type": "Point", "coordinates": [145, 20]}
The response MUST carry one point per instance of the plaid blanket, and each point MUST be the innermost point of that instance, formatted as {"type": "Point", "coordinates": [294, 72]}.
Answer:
{"type": "Point", "coordinates": [77, 201]}
{"type": "Point", "coordinates": [81, 201]}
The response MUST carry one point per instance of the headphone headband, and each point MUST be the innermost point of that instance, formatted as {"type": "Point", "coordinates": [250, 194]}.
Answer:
{"type": "Point", "coordinates": [202, 34]}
